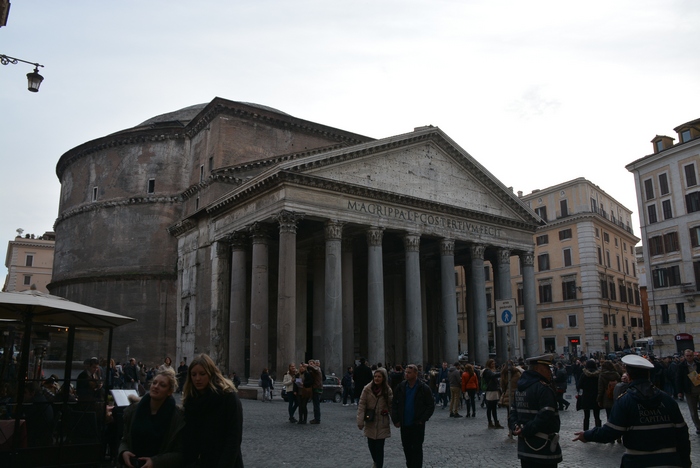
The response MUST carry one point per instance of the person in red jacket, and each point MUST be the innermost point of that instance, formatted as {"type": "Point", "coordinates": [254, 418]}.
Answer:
{"type": "Point", "coordinates": [470, 383]}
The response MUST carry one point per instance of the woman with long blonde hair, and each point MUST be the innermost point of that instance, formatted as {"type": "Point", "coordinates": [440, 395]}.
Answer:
{"type": "Point", "coordinates": [213, 417]}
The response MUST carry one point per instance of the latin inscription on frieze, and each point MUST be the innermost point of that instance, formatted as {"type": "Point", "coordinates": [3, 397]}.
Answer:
{"type": "Point", "coordinates": [427, 219]}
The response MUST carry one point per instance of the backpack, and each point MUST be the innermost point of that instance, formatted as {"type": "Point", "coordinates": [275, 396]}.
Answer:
{"type": "Point", "coordinates": [610, 391]}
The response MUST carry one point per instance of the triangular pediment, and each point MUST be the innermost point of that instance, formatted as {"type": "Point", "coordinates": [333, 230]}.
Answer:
{"type": "Point", "coordinates": [423, 165]}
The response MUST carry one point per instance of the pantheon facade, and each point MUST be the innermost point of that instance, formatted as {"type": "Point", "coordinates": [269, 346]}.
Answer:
{"type": "Point", "coordinates": [262, 239]}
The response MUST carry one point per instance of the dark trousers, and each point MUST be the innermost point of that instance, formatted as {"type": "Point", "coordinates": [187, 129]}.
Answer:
{"type": "Point", "coordinates": [587, 418]}
{"type": "Point", "coordinates": [472, 401]}
{"type": "Point", "coordinates": [347, 392]}
{"type": "Point", "coordinates": [561, 401]}
{"type": "Point", "coordinates": [303, 412]}
{"type": "Point", "coordinates": [293, 404]}
{"type": "Point", "coordinates": [317, 406]}
{"type": "Point", "coordinates": [412, 440]}
{"type": "Point", "coordinates": [376, 449]}
{"type": "Point", "coordinates": [492, 410]}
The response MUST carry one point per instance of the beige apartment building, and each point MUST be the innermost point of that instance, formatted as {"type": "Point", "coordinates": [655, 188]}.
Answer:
{"type": "Point", "coordinates": [588, 296]}
{"type": "Point", "coordinates": [668, 197]}
{"type": "Point", "coordinates": [29, 262]}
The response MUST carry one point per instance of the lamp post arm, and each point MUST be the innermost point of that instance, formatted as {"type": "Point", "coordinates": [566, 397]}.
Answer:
{"type": "Point", "coordinates": [6, 60]}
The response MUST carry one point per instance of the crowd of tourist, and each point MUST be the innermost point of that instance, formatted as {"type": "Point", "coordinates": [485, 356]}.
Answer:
{"type": "Point", "coordinates": [150, 431]}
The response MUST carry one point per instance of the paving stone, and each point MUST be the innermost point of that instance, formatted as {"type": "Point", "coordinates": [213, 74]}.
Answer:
{"type": "Point", "coordinates": [270, 440]}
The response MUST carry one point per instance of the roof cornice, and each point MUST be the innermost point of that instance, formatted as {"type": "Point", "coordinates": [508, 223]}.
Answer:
{"type": "Point", "coordinates": [575, 218]}
{"type": "Point", "coordinates": [113, 203]}
{"type": "Point", "coordinates": [126, 137]}
{"type": "Point", "coordinates": [220, 106]}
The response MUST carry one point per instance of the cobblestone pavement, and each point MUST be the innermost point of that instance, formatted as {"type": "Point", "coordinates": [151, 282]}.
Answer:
{"type": "Point", "coordinates": [270, 440]}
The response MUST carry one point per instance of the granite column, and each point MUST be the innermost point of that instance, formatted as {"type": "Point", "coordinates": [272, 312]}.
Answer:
{"type": "Point", "coordinates": [287, 290]}
{"type": "Point", "coordinates": [259, 303]}
{"type": "Point", "coordinates": [333, 304]}
{"type": "Point", "coordinates": [414, 319]}
{"type": "Point", "coordinates": [375, 296]}
{"type": "Point", "coordinates": [481, 327]}
{"type": "Point", "coordinates": [239, 294]}
{"type": "Point", "coordinates": [450, 351]}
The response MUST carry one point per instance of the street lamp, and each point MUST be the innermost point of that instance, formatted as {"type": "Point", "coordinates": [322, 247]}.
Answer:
{"type": "Point", "coordinates": [34, 79]}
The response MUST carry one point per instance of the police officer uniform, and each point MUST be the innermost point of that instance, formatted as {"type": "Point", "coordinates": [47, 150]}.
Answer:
{"type": "Point", "coordinates": [648, 420]}
{"type": "Point", "coordinates": [534, 417]}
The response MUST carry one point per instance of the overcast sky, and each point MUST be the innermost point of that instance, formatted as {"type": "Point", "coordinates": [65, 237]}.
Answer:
{"type": "Point", "coordinates": [539, 92]}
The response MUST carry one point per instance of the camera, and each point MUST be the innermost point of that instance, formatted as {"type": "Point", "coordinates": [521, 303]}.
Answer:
{"type": "Point", "coordinates": [135, 462]}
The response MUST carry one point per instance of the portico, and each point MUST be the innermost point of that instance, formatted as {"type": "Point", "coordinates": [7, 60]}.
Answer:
{"type": "Point", "coordinates": [352, 252]}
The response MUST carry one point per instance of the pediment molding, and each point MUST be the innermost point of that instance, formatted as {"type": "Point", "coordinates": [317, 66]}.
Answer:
{"type": "Point", "coordinates": [332, 186]}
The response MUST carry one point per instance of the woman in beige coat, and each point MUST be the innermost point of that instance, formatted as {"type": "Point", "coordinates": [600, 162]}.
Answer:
{"type": "Point", "coordinates": [373, 414]}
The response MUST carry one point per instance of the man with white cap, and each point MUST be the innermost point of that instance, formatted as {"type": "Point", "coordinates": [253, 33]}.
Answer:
{"type": "Point", "coordinates": [648, 420]}
{"type": "Point", "coordinates": [534, 417]}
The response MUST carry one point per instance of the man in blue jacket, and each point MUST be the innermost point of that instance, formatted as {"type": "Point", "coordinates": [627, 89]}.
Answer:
{"type": "Point", "coordinates": [648, 420]}
{"type": "Point", "coordinates": [412, 406]}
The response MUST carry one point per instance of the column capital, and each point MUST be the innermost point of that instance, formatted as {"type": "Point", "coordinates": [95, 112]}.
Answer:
{"type": "Point", "coordinates": [528, 258]}
{"type": "Point", "coordinates": [238, 240]}
{"type": "Point", "coordinates": [288, 220]}
{"type": "Point", "coordinates": [411, 242]}
{"type": "Point", "coordinates": [504, 256]}
{"type": "Point", "coordinates": [259, 233]}
{"type": "Point", "coordinates": [447, 247]}
{"type": "Point", "coordinates": [477, 251]}
{"type": "Point", "coordinates": [374, 236]}
{"type": "Point", "coordinates": [334, 229]}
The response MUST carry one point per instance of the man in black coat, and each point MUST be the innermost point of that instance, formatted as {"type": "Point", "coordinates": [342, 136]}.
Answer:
{"type": "Point", "coordinates": [411, 408]}
{"type": "Point", "coordinates": [363, 376]}
{"type": "Point", "coordinates": [131, 375]}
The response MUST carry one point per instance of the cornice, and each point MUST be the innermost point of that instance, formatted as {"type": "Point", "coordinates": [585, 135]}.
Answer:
{"type": "Point", "coordinates": [575, 218]}
{"type": "Point", "coordinates": [181, 227]}
{"type": "Point", "coordinates": [113, 203]}
{"type": "Point", "coordinates": [113, 277]}
{"type": "Point", "coordinates": [126, 137]}
{"type": "Point", "coordinates": [264, 163]}
{"type": "Point", "coordinates": [27, 243]}
{"type": "Point", "coordinates": [222, 106]}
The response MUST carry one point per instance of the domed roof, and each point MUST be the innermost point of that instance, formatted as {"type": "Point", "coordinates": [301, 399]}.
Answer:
{"type": "Point", "coordinates": [183, 116]}
{"type": "Point", "coordinates": [186, 114]}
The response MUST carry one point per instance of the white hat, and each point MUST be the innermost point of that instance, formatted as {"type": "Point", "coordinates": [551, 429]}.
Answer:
{"type": "Point", "coordinates": [633, 360]}
{"type": "Point", "coordinates": [545, 359]}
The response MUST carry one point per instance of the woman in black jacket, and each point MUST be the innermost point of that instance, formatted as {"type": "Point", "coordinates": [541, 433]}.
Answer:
{"type": "Point", "coordinates": [213, 417]}
{"type": "Point", "coordinates": [153, 427]}
{"type": "Point", "coordinates": [492, 378]}
{"type": "Point", "coordinates": [587, 386]}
